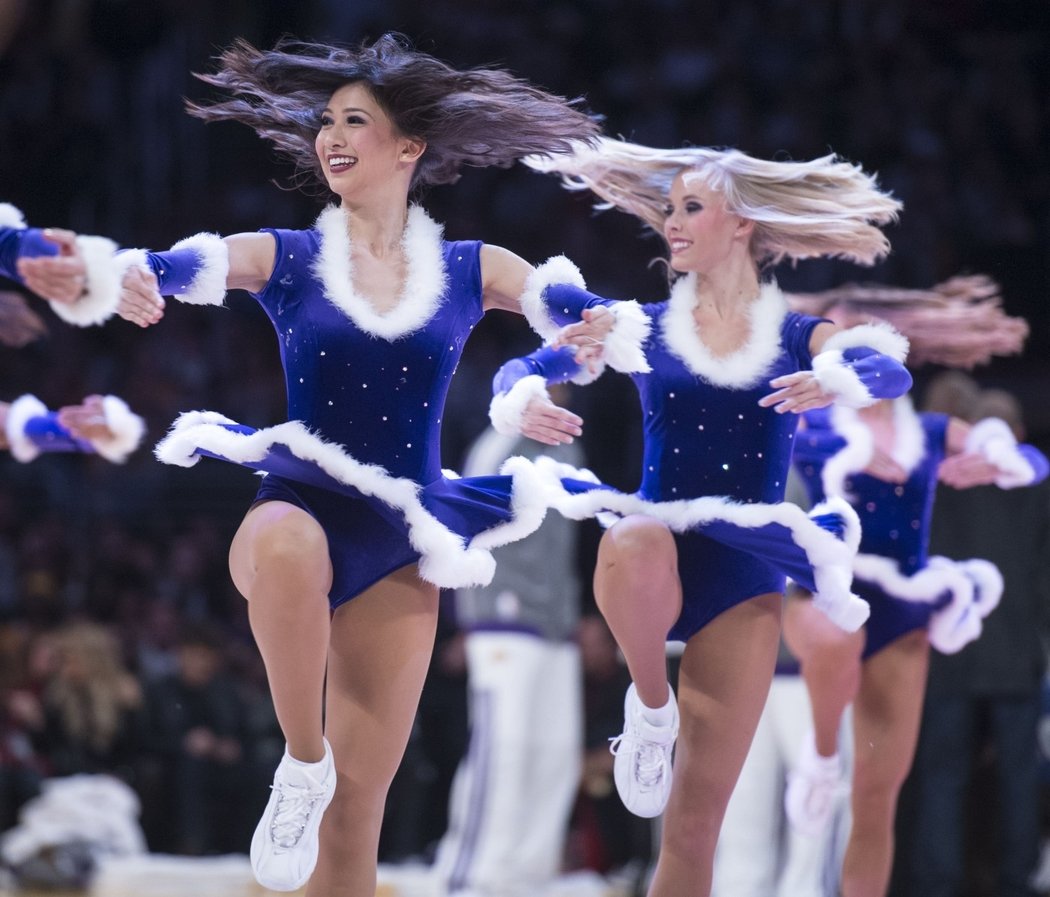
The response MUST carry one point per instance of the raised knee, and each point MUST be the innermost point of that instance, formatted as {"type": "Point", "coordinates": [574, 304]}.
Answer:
{"type": "Point", "coordinates": [639, 540]}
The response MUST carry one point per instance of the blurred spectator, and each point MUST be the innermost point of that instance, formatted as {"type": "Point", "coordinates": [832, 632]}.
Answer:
{"type": "Point", "coordinates": [22, 767]}
{"type": "Point", "coordinates": [92, 705]}
{"type": "Point", "coordinates": [194, 722]}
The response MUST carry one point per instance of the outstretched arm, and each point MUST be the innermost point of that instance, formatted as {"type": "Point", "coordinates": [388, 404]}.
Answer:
{"type": "Point", "coordinates": [986, 453]}
{"type": "Point", "coordinates": [102, 425]}
{"type": "Point", "coordinates": [855, 367]}
{"type": "Point", "coordinates": [557, 305]}
{"type": "Point", "coordinates": [521, 403]}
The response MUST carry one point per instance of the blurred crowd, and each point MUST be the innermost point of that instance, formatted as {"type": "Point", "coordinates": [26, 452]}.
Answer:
{"type": "Point", "coordinates": [123, 645]}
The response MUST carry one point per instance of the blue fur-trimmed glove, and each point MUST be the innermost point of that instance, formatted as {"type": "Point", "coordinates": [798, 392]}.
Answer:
{"type": "Point", "coordinates": [1020, 464]}
{"type": "Point", "coordinates": [863, 364]}
{"type": "Point", "coordinates": [194, 270]}
{"type": "Point", "coordinates": [103, 271]}
{"type": "Point", "coordinates": [32, 429]}
{"type": "Point", "coordinates": [521, 379]}
{"type": "Point", "coordinates": [555, 295]}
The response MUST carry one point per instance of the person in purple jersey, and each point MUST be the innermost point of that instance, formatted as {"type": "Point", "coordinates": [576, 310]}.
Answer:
{"type": "Point", "coordinates": [356, 527]}
{"type": "Point", "coordinates": [700, 552]}
{"type": "Point", "coordinates": [887, 460]}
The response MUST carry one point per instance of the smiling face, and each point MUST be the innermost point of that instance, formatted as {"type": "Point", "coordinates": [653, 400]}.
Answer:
{"type": "Point", "coordinates": [700, 233]}
{"type": "Point", "coordinates": [358, 145]}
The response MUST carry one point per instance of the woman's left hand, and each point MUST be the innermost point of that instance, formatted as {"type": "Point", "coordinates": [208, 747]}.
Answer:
{"type": "Point", "coordinates": [967, 469]}
{"type": "Point", "coordinates": [58, 278]}
{"type": "Point", "coordinates": [796, 393]}
{"type": "Point", "coordinates": [587, 337]}
{"type": "Point", "coordinates": [87, 420]}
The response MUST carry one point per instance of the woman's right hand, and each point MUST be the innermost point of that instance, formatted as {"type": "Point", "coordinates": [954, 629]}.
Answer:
{"type": "Point", "coordinates": [140, 299]}
{"type": "Point", "coordinates": [549, 423]}
{"type": "Point", "coordinates": [883, 467]}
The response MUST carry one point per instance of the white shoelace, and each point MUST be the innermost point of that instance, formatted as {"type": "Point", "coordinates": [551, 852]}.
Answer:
{"type": "Point", "coordinates": [650, 758]}
{"type": "Point", "coordinates": [292, 813]}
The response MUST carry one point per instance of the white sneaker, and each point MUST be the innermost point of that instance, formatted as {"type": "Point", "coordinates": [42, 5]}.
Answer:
{"type": "Point", "coordinates": [284, 847]}
{"type": "Point", "coordinates": [814, 789]}
{"type": "Point", "coordinates": [642, 769]}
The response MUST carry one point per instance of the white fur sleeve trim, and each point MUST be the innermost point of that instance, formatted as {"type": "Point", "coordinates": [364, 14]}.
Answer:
{"type": "Point", "coordinates": [994, 439]}
{"type": "Point", "coordinates": [208, 286]}
{"type": "Point", "coordinates": [22, 410]}
{"type": "Point", "coordinates": [446, 559]}
{"type": "Point", "coordinates": [102, 294]}
{"type": "Point", "coordinates": [555, 270]}
{"type": "Point", "coordinates": [623, 347]}
{"type": "Point", "coordinates": [127, 429]}
{"type": "Point", "coordinates": [879, 336]}
{"type": "Point", "coordinates": [11, 217]}
{"type": "Point", "coordinates": [507, 409]}
{"type": "Point", "coordinates": [836, 377]}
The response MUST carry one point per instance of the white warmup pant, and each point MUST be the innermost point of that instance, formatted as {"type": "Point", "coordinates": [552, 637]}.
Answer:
{"type": "Point", "coordinates": [514, 790]}
{"type": "Point", "coordinates": [758, 853]}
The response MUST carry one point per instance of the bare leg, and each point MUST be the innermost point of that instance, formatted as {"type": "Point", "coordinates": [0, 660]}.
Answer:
{"type": "Point", "coordinates": [637, 590]}
{"type": "Point", "coordinates": [279, 562]}
{"type": "Point", "coordinates": [886, 716]}
{"type": "Point", "coordinates": [724, 680]}
{"type": "Point", "coordinates": [382, 641]}
{"type": "Point", "coordinates": [830, 661]}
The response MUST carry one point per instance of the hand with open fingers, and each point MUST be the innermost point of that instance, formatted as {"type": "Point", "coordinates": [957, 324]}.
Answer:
{"type": "Point", "coordinates": [796, 393]}
{"type": "Point", "coordinates": [883, 467]}
{"type": "Point", "coordinates": [587, 337]}
{"type": "Point", "coordinates": [140, 299]}
{"type": "Point", "coordinates": [549, 423]}
{"type": "Point", "coordinates": [58, 278]}
{"type": "Point", "coordinates": [967, 469]}
{"type": "Point", "coordinates": [87, 420]}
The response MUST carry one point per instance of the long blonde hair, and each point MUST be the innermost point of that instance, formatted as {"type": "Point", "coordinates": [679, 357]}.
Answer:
{"type": "Point", "coordinates": [957, 323]}
{"type": "Point", "coordinates": [824, 207]}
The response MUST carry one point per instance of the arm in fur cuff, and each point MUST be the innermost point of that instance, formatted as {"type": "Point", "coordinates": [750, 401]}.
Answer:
{"type": "Point", "coordinates": [863, 364]}
{"type": "Point", "coordinates": [194, 270]}
{"type": "Point", "coordinates": [32, 429]}
{"type": "Point", "coordinates": [521, 380]}
{"type": "Point", "coordinates": [1020, 464]}
{"type": "Point", "coordinates": [555, 296]}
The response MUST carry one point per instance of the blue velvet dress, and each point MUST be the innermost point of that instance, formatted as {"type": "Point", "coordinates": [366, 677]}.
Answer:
{"type": "Point", "coordinates": [895, 518]}
{"type": "Point", "coordinates": [366, 393]}
{"type": "Point", "coordinates": [715, 465]}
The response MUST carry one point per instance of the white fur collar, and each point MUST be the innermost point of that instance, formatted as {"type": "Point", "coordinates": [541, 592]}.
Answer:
{"type": "Point", "coordinates": [909, 443]}
{"type": "Point", "coordinates": [740, 369]}
{"type": "Point", "coordinates": [425, 278]}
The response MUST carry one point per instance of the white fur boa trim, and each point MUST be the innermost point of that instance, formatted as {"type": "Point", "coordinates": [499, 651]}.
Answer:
{"type": "Point", "coordinates": [830, 557]}
{"type": "Point", "coordinates": [425, 277]}
{"type": "Point", "coordinates": [836, 376]}
{"type": "Point", "coordinates": [446, 559]}
{"type": "Point", "coordinates": [909, 446]}
{"type": "Point", "coordinates": [11, 217]}
{"type": "Point", "coordinates": [740, 369]}
{"type": "Point", "coordinates": [21, 411]}
{"type": "Point", "coordinates": [127, 429]}
{"type": "Point", "coordinates": [993, 439]}
{"type": "Point", "coordinates": [105, 271]}
{"type": "Point", "coordinates": [208, 286]}
{"type": "Point", "coordinates": [623, 347]}
{"type": "Point", "coordinates": [975, 587]}
{"type": "Point", "coordinates": [507, 409]}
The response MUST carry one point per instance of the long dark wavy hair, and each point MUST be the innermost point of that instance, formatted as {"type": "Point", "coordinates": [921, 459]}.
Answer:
{"type": "Point", "coordinates": [479, 117]}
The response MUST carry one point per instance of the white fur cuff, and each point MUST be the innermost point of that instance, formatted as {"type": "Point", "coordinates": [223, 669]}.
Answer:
{"type": "Point", "coordinates": [555, 270]}
{"type": "Point", "coordinates": [994, 439]}
{"type": "Point", "coordinates": [879, 336]}
{"type": "Point", "coordinates": [11, 217]}
{"type": "Point", "coordinates": [102, 293]}
{"type": "Point", "coordinates": [127, 429]}
{"type": "Point", "coordinates": [507, 409]}
{"type": "Point", "coordinates": [835, 376]}
{"type": "Point", "coordinates": [622, 348]}
{"type": "Point", "coordinates": [208, 286]}
{"type": "Point", "coordinates": [22, 410]}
